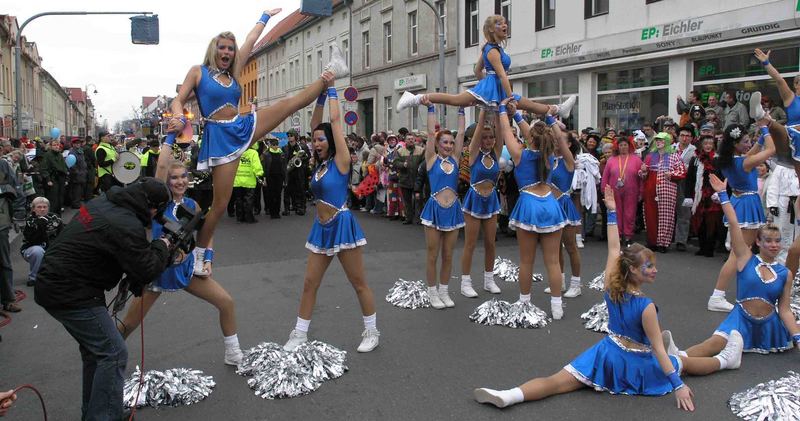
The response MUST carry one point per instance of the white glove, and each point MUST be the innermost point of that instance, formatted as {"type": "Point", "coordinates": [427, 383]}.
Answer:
{"type": "Point", "coordinates": [688, 202]}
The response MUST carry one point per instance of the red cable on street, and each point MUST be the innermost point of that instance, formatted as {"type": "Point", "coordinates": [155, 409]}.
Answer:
{"type": "Point", "coordinates": [27, 386]}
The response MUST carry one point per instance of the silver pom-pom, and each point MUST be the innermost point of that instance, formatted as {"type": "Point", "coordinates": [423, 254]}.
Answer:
{"type": "Point", "coordinates": [275, 373]}
{"type": "Point", "coordinates": [596, 318]}
{"type": "Point", "coordinates": [794, 304]}
{"type": "Point", "coordinates": [409, 294]}
{"type": "Point", "coordinates": [173, 387]}
{"type": "Point", "coordinates": [599, 282]}
{"type": "Point", "coordinates": [508, 271]}
{"type": "Point", "coordinates": [771, 401]}
{"type": "Point", "coordinates": [502, 313]}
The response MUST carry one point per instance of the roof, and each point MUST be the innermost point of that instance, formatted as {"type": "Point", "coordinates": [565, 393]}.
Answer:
{"type": "Point", "coordinates": [76, 94]}
{"type": "Point", "coordinates": [294, 21]}
{"type": "Point", "coordinates": [147, 100]}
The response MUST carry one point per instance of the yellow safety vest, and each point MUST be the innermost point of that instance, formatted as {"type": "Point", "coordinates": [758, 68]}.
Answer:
{"type": "Point", "coordinates": [111, 154]}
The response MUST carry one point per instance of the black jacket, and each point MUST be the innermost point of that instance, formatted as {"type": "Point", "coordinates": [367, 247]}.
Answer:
{"type": "Point", "coordinates": [105, 240]}
{"type": "Point", "coordinates": [40, 230]}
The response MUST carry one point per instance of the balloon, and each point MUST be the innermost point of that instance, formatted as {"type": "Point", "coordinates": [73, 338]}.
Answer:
{"type": "Point", "coordinates": [505, 153]}
{"type": "Point", "coordinates": [71, 160]}
{"type": "Point", "coordinates": [55, 132]}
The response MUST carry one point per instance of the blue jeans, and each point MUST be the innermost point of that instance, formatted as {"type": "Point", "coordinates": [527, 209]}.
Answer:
{"type": "Point", "coordinates": [104, 356]}
{"type": "Point", "coordinates": [33, 255]}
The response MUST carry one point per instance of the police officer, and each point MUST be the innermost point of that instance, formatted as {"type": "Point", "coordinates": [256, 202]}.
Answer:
{"type": "Point", "coordinates": [245, 184]}
{"type": "Point", "coordinates": [106, 156]}
{"type": "Point", "coordinates": [294, 195]}
{"type": "Point", "coordinates": [103, 242]}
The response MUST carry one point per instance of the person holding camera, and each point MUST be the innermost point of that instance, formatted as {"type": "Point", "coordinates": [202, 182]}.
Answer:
{"type": "Point", "coordinates": [105, 241]}
{"type": "Point", "coordinates": [41, 227]}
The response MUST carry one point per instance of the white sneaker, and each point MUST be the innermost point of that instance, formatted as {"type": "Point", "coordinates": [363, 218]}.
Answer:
{"type": "Point", "coordinates": [407, 100]}
{"type": "Point", "coordinates": [436, 302]}
{"type": "Point", "coordinates": [484, 395]}
{"type": "Point", "coordinates": [337, 65]}
{"type": "Point", "coordinates": [579, 241]}
{"type": "Point", "coordinates": [445, 297]}
{"type": "Point", "coordinates": [233, 355]}
{"type": "Point", "coordinates": [370, 340]}
{"type": "Point", "coordinates": [296, 338]}
{"type": "Point", "coordinates": [565, 108]}
{"type": "Point", "coordinates": [732, 353]}
{"type": "Point", "coordinates": [563, 287]}
{"type": "Point", "coordinates": [719, 304]}
{"type": "Point", "coordinates": [467, 290]}
{"type": "Point", "coordinates": [491, 286]}
{"type": "Point", "coordinates": [756, 109]}
{"type": "Point", "coordinates": [669, 344]}
{"type": "Point", "coordinates": [557, 311]}
{"type": "Point", "coordinates": [572, 292]}
{"type": "Point", "coordinates": [199, 270]}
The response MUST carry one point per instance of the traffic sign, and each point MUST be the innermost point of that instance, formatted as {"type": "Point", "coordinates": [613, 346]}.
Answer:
{"type": "Point", "coordinates": [350, 118]}
{"type": "Point", "coordinates": [351, 93]}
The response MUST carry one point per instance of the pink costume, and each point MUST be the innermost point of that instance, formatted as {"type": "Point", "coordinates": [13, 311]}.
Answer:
{"type": "Point", "coordinates": [621, 174]}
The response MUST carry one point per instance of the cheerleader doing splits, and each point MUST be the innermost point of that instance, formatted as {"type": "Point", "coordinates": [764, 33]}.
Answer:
{"type": "Point", "coordinates": [227, 134]}
{"type": "Point", "coordinates": [494, 86]}
{"type": "Point", "coordinates": [335, 231]}
{"type": "Point", "coordinates": [737, 160]}
{"type": "Point", "coordinates": [179, 276]}
{"type": "Point", "coordinates": [537, 216]}
{"type": "Point", "coordinates": [481, 204]}
{"type": "Point", "coordinates": [632, 359]}
{"type": "Point", "coordinates": [761, 282]}
{"type": "Point", "coordinates": [442, 215]}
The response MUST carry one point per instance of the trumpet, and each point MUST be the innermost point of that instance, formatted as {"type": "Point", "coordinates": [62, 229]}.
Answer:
{"type": "Point", "coordinates": [297, 160]}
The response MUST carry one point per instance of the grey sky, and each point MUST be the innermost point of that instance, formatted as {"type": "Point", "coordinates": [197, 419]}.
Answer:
{"type": "Point", "coordinates": [81, 50]}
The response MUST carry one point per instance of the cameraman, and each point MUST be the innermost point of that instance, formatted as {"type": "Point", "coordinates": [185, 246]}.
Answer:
{"type": "Point", "coordinates": [106, 240]}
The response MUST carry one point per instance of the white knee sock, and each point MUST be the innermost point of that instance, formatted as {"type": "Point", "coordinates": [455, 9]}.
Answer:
{"type": "Point", "coordinates": [302, 325]}
{"type": "Point", "coordinates": [525, 298]}
{"type": "Point", "coordinates": [371, 322]}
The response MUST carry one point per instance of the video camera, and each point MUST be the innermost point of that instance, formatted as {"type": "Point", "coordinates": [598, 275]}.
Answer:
{"type": "Point", "coordinates": [180, 233]}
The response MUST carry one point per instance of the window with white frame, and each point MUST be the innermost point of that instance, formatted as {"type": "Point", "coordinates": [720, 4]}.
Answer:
{"type": "Point", "coordinates": [414, 119]}
{"type": "Point", "coordinates": [291, 73]}
{"type": "Point", "coordinates": [545, 14]}
{"type": "Point", "coordinates": [412, 33]}
{"type": "Point", "coordinates": [346, 50]}
{"type": "Point", "coordinates": [387, 106]}
{"type": "Point", "coordinates": [309, 69]}
{"type": "Point", "coordinates": [441, 11]}
{"type": "Point", "coordinates": [594, 8]}
{"type": "Point", "coordinates": [319, 61]}
{"type": "Point", "coordinates": [283, 80]}
{"type": "Point", "coordinates": [503, 8]}
{"type": "Point", "coordinates": [365, 49]}
{"type": "Point", "coordinates": [387, 42]}
{"type": "Point", "coordinates": [472, 25]}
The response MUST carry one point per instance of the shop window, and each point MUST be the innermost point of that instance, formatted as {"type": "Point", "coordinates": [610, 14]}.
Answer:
{"type": "Point", "coordinates": [744, 65]}
{"type": "Point", "coordinates": [555, 90]}
{"type": "Point", "coordinates": [627, 98]}
{"type": "Point", "coordinates": [633, 78]}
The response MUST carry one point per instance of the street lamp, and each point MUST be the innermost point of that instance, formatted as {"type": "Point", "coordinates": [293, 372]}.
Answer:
{"type": "Point", "coordinates": [86, 105]}
{"type": "Point", "coordinates": [439, 27]}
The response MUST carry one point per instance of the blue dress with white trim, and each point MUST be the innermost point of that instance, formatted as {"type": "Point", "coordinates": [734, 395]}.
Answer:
{"type": "Point", "coordinates": [223, 140]}
{"type": "Point", "coordinates": [177, 276]}
{"type": "Point", "coordinates": [766, 334]}
{"type": "Point", "coordinates": [745, 199]}
{"type": "Point", "coordinates": [476, 205]}
{"type": "Point", "coordinates": [561, 178]}
{"type": "Point", "coordinates": [434, 214]}
{"type": "Point", "coordinates": [613, 365]}
{"type": "Point", "coordinates": [489, 91]}
{"type": "Point", "coordinates": [341, 231]}
{"type": "Point", "coordinates": [541, 214]}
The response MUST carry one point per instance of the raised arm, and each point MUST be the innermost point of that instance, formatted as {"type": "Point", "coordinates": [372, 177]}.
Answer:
{"type": "Point", "coordinates": [614, 248]}
{"type": "Point", "coordinates": [524, 127]}
{"type": "Point", "coordinates": [250, 40]}
{"type": "Point", "coordinates": [740, 248]}
{"type": "Point", "coordinates": [475, 143]}
{"type": "Point", "coordinates": [498, 138]}
{"type": "Point", "coordinates": [494, 57]}
{"type": "Point", "coordinates": [189, 83]}
{"type": "Point", "coordinates": [478, 69]}
{"type": "Point", "coordinates": [462, 126]}
{"type": "Point", "coordinates": [164, 159]}
{"type": "Point", "coordinates": [767, 150]}
{"type": "Point", "coordinates": [785, 311]}
{"type": "Point", "coordinates": [430, 145]}
{"type": "Point", "coordinates": [787, 95]}
{"type": "Point", "coordinates": [561, 142]}
{"type": "Point", "coordinates": [319, 109]}
{"type": "Point", "coordinates": [342, 157]}
{"type": "Point", "coordinates": [653, 331]}
{"type": "Point", "coordinates": [514, 147]}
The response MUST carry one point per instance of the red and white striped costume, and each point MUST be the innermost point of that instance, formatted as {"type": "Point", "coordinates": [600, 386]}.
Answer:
{"type": "Point", "coordinates": [660, 194]}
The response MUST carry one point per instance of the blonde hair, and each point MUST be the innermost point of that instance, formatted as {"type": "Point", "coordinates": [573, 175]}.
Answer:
{"type": "Point", "coordinates": [211, 52]}
{"type": "Point", "coordinates": [488, 29]}
{"type": "Point", "coordinates": [542, 138]}
{"type": "Point", "coordinates": [631, 257]}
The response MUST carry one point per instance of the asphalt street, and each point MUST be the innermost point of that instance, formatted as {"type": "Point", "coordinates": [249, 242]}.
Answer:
{"type": "Point", "coordinates": [427, 364]}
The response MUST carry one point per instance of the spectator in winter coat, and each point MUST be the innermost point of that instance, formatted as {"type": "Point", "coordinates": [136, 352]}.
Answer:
{"type": "Point", "coordinates": [41, 227]}
{"type": "Point", "coordinates": [54, 172]}
{"type": "Point", "coordinates": [77, 174]}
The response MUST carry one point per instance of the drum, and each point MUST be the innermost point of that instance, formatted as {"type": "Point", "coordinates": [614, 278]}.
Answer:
{"type": "Point", "coordinates": [127, 168]}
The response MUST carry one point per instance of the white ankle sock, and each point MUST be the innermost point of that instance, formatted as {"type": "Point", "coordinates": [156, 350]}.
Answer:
{"type": "Point", "coordinates": [231, 341]}
{"type": "Point", "coordinates": [683, 354]}
{"type": "Point", "coordinates": [525, 298]}
{"type": "Point", "coordinates": [466, 279]}
{"type": "Point", "coordinates": [302, 325]}
{"type": "Point", "coordinates": [371, 322]}
{"type": "Point", "coordinates": [575, 282]}
{"type": "Point", "coordinates": [555, 301]}
{"type": "Point", "coordinates": [488, 277]}
{"type": "Point", "coordinates": [433, 291]}
{"type": "Point", "coordinates": [718, 293]}
{"type": "Point", "coordinates": [723, 363]}
{"type": "Point", "coordinates": [199, 251]}
{"type": "Point", "coordinates": [511, 396]}
{"type": "Point", "coordinates": [443, 289]}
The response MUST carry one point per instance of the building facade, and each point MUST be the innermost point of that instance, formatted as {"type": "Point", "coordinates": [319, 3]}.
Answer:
{"type": "Point", "coordinates": [55, 104]}
{"type": "Point", "coordinates": [395, 48]}
{"type": "Point", "coordinates": [628, 61]}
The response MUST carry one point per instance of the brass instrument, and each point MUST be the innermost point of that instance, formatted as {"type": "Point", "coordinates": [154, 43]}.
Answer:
{"type": "Point", "coordinates": [296, 161]}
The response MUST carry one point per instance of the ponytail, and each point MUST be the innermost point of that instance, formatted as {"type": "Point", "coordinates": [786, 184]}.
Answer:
{"type": "Point", "coordinates": [630, 257]}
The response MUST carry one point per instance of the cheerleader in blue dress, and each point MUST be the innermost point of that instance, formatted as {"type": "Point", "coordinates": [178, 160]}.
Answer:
{"type": "Point", "coordinates": [180, 275]}
{"type": "Point", "coordinates": [335, 231]}
{"type": "Point", "coordinates": [737, 161]}
{"type": "Point", "coordinates": [481, 204]}
{"type": "Point", "coordinates": [791, 102]}
{"type": "Point", "coordinates": [633, 359]}
{"type": "Point", "coordinates": [442, 215]}
{"type": "Point", "coordinates": [537, 217]}
{"type": "Point", "coordinates": [763, 291]}
{"type": "Point", "coordinates": [493, 85]}
{"type": "Point", "coordinates": [226, 134]}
